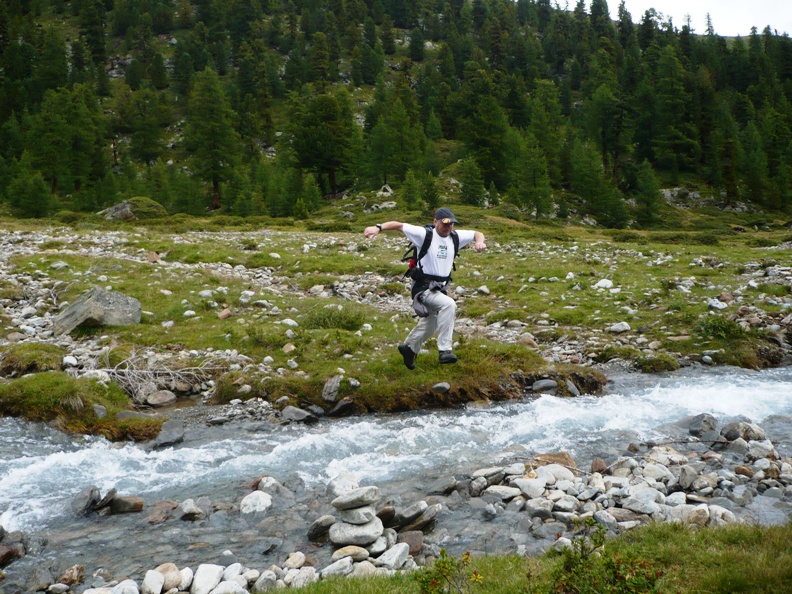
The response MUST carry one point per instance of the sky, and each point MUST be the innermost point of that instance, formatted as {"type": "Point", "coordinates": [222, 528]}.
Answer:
{"type": "Point", "coordinates": [729, 17]}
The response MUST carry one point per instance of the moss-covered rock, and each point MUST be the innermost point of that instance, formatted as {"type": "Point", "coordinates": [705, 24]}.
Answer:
{"type": "Point", "coordinates": [30, 357]}
{"type": "Point", "coordinates": [137, 208]}
{"type": "Point", "coordinates": [657, 363]}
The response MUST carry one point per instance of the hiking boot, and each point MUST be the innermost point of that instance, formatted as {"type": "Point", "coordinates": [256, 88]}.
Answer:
{"type": "Point", "coordinates": [409, 356]}
{"type": "Point", "coordinates": [447, 357]}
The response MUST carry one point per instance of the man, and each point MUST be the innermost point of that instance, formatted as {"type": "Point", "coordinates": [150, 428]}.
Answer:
{"type": "Point", "coordinates": [430, 281]}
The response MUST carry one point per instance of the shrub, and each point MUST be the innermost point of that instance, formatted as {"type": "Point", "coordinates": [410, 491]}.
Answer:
{"type": "Point", "coordinates": [628, 237]}
{"type": "Point", "coordinates": [589, 568]}
{"type": "Point", "coordinates": [447, 575]}
{"type": "Point", "coordinates": [339, 317]}
{"type": "Point", "coordinates": [656, 363]}
{"type": "Point", "coordinates": [328, 226]}
{"type": "Point", "coordinates": [719, 327]}
{"type": "Point", "coordinates": [67, 216]}
{"type": "Point", "coordinates": [614, 352]}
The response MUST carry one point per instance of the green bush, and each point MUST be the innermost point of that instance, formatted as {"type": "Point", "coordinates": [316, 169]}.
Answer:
{"type": "Point", "coordinates": [328, 226]}
{"type": "Point", "coordinates": [628, 237]}
{"type": "Point", "coordinates": [590, 568]}
{"type": "Point", "coordinates": [340, 317]}
{"type": "Point", "coordinates": [718, 327]}
{"type": "Point", "coordinates": [656, 363]}
{"type": "Point", "coordinates": [67, 216]}
{"type": "Point", "coordinates": [615, 352]}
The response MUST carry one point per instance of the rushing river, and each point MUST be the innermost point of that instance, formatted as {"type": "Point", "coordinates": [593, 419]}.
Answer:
{"type": "Point", "coordinates": [41, 469]}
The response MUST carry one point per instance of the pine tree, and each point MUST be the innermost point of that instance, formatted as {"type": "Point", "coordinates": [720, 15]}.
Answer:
{"type": "Point", "coordinates": [147, 142]}
{"type": "Point", "coordinates": [472, 182]}
{"type": "Point", "coordinates": [28, 192]}
{"type": "Point", "coordinates": [411, 190]}
{"type": "Point", "coordinates": [209, 134]}
{"type": "Point", "coordinates": [530, 184]}
{"type": "Point", "coordinates": [320, 132]}
{"type": "Point", "coordinates": [590, 183]}
{"type": "Point", "coordinates": [65, 138]}
{"type": "Point", "coordinates": [430, 193]}
{"type": "Point", "coordinates": [754, 166]}
{"type": "Point", "coordinates": [416, 50]}
{"type": "Point", "coordinates": [648, 196]}
{"type": "Point", "coordinates": [387, 37]}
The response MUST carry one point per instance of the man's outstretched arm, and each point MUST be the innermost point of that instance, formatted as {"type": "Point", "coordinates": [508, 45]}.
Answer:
{"type": "Point", "coordinates": [374, 230]}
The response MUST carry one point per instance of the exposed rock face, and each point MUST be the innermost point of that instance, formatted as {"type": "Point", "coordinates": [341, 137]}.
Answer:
{"type": "Point", "coordinates": [98, 307]}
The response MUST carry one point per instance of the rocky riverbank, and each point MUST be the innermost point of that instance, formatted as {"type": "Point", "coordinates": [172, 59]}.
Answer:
{"type": "Point", "coordinates": [276, 534]}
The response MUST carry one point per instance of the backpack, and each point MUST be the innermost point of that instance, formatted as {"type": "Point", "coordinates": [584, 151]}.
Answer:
{"type": "Point", "coordinates": [413, 255]}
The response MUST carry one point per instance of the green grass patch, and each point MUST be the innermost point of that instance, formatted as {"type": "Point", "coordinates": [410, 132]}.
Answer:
{"type": "Point", "coordinates": [656, 363]}
{"type": "Point", "coordinates": [611, 352]}
{"type": "Point", "coordinates": [30, 357]}
{"type": "Point", "coordinates": [658, 558]}
{"type": "Point", "coordinates": [341, 317]}
{"type": "Point", "coordinates": [68, 402]}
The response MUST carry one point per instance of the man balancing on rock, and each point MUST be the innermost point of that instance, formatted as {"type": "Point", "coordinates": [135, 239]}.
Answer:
{"type": "Point", "coordinates": [436, 246]}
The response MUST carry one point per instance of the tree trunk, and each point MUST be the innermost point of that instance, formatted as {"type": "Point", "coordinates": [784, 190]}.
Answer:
{"type": "Point", "coordinates": [332, 178]}
{"type": "Point", "coordinates": [215, 194]}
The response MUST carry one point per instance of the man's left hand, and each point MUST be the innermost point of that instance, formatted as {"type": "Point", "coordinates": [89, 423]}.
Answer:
{"type": "Point", "coordinates": [480, 246]}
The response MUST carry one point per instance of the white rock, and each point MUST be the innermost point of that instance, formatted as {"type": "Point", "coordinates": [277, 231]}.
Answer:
{"type": "Point", "coordinates": [357, 498]}
{"type": "Point", "coordinates": [604, 284]}
{"type": "Point", "coordinates": [126, 587]}
{"type": "Point", "coordinates": [342, 533]}
{"type": "Point", "coordinates": [186, 579]}
{"type": "Point", "coordinates": [266, 582]}
{"type": "Point", "coordinates": [358, 515]}
{"type": "Point", "coordinates": [305, 576]}
{"type": "Point", "coordinates": [504, 493]}
{"type": "Point", "coordinates": [619, 328]}
{"type": "Point", "coordinates": [560, 473]}
{"type": "Point", "coordinates": [257, 501]}
{"type": "Point", "coordinates": [532, 488]}
{"type": "Point", "coordinates": [230, 572]}
{"type": "Point", "coordinates": [295, 560]}
{"type": "Point", "coordinates": [394, 557]}
{"type": "Point", "coordinates": [229, 587]}
{"type": "Point", "coordinates": [152, 583]}
{"type": "Point", "coordinates": [70, 361]}
{"type": "Point", "coordinates": [206, 578]}
{"type": "Point", "coordinates": [341, 567]}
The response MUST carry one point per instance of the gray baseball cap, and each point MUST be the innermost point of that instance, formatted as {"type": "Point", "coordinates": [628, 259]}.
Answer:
{"type": "Point", "coordinates": [445, 215]}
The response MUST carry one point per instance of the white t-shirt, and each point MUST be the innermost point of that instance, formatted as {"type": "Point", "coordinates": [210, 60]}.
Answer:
{"type": "Point", "coordinates": [439, 260]}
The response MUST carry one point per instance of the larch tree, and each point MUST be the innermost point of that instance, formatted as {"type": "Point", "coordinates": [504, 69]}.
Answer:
{"type": "Point", "coordinates": [209, 135]}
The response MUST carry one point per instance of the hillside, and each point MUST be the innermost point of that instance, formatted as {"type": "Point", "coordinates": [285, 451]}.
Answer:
{"type": "Point", "coordinates": [263, 107]}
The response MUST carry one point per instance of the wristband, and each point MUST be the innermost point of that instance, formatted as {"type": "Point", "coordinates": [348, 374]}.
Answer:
{"type": "Point", "coordinates": [379, 226]}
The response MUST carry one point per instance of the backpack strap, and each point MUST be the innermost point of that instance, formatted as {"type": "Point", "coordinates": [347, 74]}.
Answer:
{"type": "Point", "coordinates": [425, 245]}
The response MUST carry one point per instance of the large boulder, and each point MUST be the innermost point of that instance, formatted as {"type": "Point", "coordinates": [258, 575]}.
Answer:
{"type": "Point", "coordinates": [98, 307]}
{"type": "Point", "coordinates": [133, 209]}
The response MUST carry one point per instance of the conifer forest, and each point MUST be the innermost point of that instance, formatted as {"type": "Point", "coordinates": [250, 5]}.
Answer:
{"type": "Point", "coordinates": [272, 107]}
